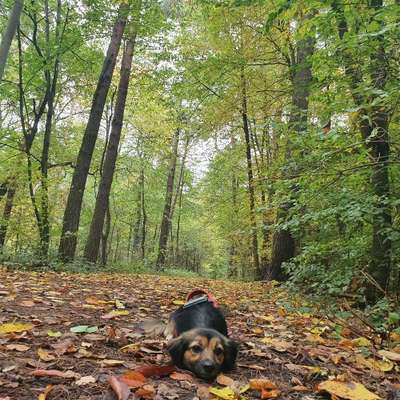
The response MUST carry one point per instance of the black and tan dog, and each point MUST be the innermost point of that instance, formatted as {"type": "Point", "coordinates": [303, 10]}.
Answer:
{"type": "Point", "coordinates": [200, 340]}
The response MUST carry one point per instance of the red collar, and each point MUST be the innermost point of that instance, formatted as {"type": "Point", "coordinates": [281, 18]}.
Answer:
{"type": "Point", "coordinates": [201, 292]}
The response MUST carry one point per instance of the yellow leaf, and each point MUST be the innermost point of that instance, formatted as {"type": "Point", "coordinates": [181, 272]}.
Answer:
{"type": "Point", "coordinates": [390, 355]}
{"type": "Point", "coordinates": [119, 312]}
{"type": "Point", "coordinates": [15, 327]}
{"type": "Point", "coordinates": [347, 390]}
{"type": "Point", "coordinates": [226, 393]}
{"type": "Point", "coordinates": [43, 395]}
{"type": "Point", "coordinates": [45, 355]}
{"type": "Point", "coordinates": [119, 304]}
{"type": "Point", "coordinates": [377, 365]}
{"type": "Point", "coordinates": [178, 302]}
{"type": "Point", "coordinates": [361, 342]}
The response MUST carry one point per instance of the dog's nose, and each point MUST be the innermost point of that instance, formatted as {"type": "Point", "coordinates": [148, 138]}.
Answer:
{"type": "Point", "coordinates": [208, 366]}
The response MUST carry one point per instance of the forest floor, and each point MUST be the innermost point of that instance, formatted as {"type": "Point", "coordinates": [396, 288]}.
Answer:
{"type": "Point", "coordinates": [84, 327]}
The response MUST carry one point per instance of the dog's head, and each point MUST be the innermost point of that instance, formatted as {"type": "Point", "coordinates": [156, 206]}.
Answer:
{"type": "Point", "coordinates": [205, 352]}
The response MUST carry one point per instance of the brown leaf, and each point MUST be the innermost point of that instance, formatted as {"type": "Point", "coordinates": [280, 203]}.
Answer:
{"type": "Point", "coordinates": [121, 389]}
{"type": "Point", "coordinates": [17, 347]}
{"type": "Point", "coordinates": [52, 372]}
{"type": "Point", "coordinates": [151, 370]}
{"type": "Point", "coordinates": [133, 379]}
{"type": "Point", "coordinates": [147, 392]}
{"type": "Point", "coordinates": [270, 394]}
{"type": "Point", "coordinates": [111, 363]}
{"type": "Point", "coordinates": [262, 383]}
{"type": "Point", "coordinates": [225, 380]}
{"type": "Point", "coordinates": [178, 376]}
{"type": "Point", "coordinates": [45, 355]}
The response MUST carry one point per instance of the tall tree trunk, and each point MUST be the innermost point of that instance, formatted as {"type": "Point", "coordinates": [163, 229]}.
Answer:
{"type": "Point", "coordinates": [104, 236]}
{"type": "Point", "coordinates": [283, 242]}
{"type": "Point", "coordinates": [51, 83]}
{"type": "Point", "coordinates": [7, 213]}
{"type": "Point", "coordinates": [96, 226]}
{"type": "Point", "coordinates": [374, 128]}
{"type": "Point", "coordinates": [9, 33]}
{"type": "Point", "coordinates": [144, 217]}
{"type": "Point", "coordinates": [166, 217]}
{"type": "Point", "coordinates": [73, 207]}
{"type": "Point", "coordinates": [250, 177]}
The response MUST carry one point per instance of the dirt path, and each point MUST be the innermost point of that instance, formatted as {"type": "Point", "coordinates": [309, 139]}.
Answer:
{"type": "Point", "coordinates": [295, 351]}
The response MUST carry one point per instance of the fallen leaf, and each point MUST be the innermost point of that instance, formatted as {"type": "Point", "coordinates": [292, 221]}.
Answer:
{"type": "Point", "coordinates": [52, 372]}
{"type": "Point", "coordinates": [361, 342]}
{"type": "Point", "coordinates": [151, 370]}
{"type": "Point", "coordinates": [147, 392]}
{"type": "Point", "coordinates": [259, 384]}
{"type": "Point", "coordinates": [115, 313]}
{"type": "Point", "coordinates": [27, 303]}
{"type": "Point", "coordinates": [203, 392]}
{"type": "Point", "coordinates": [15, 327]}
{"type": "Point", "coordinates": [64, 347]}
{"type": "Point", "coordinates": [377, 365]}
{"type": "Point", "coordinates": [178, 376]}
{"type": "Point", "coordinates": [84, 329]}
{"type": "Point", "coordinates": [53, 334]}
{"type": "Point", "coordinates": [390, 355]}
{"type": "Point", "coordinates": [347, 390]}
{"type": "Point", "coordinates": [43, 395]}
{"type": "Point", "coordinates": [130, 348]}
{"type": "Point", "coordinates": [45, 355]}
{"type": "Point", "coordinates": [225, 380]}
{"type": "Point", "coordinates": [270, 394]}
{"type": "Point", "coordinates": [85, 380]}
{"type": "Point", "coordinates": [17, 347]}
{"type": "Point", "coordinates": [121, 389]}
{"type": "Point", "coordinates": [226, 393]}
{"type": "Point", "coordinates": [111, 363]}
{"type": "Point", "coordinates": [133, 379]}
{"type": "Point", "coordinates": [178, 302]}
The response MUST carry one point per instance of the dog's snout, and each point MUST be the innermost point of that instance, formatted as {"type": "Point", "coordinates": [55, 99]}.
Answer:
{"type": "Point", "coordinates": [208, 366]}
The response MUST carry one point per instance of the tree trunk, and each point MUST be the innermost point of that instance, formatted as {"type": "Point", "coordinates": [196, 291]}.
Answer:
{"type": "Point", "coordinates": [9, 33]}
{"type": "Point", "coordinates": [374, 128]}
{"type": "Point", "coordinates": [251, 192]}
{"type": "Point", "coordinates": [51, 83]}
{"type": "Point", "coordinates": [104, 237]}
{"type": "Point", "coordinates": [144, 217]}
{"type": "Point", "coordinates": [283, 242]}
{"type": "Point", "coordinates": [7, 214]}
{"type": "Point", "coordinates": [166, 217]}
{"type": "Point", "coordinates": [72, 211]}
{"type": "Point", "coordinates": [96, 226]}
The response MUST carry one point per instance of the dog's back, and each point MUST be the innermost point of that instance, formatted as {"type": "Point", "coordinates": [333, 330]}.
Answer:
{"type": "Point", "coordinates": [202, 315]}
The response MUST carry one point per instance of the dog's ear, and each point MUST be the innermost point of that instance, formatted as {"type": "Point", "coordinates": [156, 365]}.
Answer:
{"type": "Point", "coordinates": [231, 349]}
{"type": "Point", "coordinates": [176, 348]}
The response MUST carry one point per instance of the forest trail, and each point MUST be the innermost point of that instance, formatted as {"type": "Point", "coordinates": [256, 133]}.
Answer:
{"type": "Point", "coordinates": [296, 351]}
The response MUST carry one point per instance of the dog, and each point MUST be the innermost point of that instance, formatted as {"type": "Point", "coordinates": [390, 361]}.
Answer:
{"type": "Point", "coordinates": [200, 341]}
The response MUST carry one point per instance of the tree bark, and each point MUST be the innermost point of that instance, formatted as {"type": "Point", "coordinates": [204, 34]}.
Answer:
{"type": "Point", "coordinates": [96, 226]}
{"type": "Point", "coordinates": [283, 242]}
{"type": "Point", "coordinates": [374, 128]}
{"type": "Point", "coordinates": [51, 84]}
{"type": "Point", "coordinates": [250, 177]}
{"type": "Point", "coordinates": [9, 33]}
{"type": "Point", "coordinates": [73, 207]}
{"type": "Point", "coordinates": [7, 214]}
{"type": "Point", "coordinates": [166, 217]}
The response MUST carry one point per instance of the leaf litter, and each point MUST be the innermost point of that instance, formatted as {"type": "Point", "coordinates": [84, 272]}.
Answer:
{"type": "Point", "coordinates": [77, 336]}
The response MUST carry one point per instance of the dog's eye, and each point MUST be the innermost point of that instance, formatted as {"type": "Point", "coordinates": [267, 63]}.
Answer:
{"type": "Point", "coordinates": [218, 351]}
{"type": "Point", "coordinates": [196, 349]}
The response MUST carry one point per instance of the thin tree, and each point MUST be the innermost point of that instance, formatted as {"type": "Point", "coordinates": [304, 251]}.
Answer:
{"type": "Point", "coordinates": [166, 217]}
{"type": "Point", "coordinates": [73, 207]}
{"type": "Point", "coordinates": [96, 226]}
{"type": "Point", "coordinates": [9, 33]}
